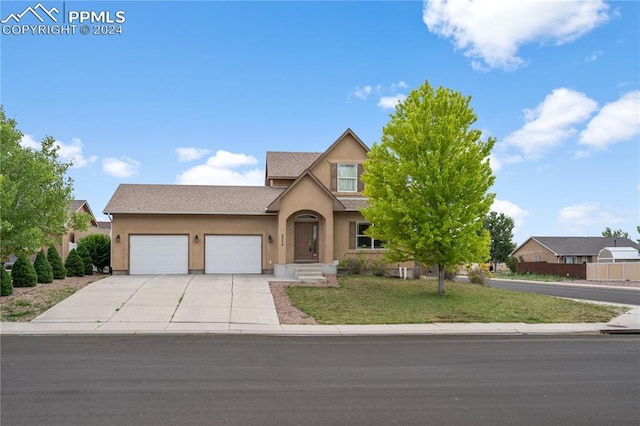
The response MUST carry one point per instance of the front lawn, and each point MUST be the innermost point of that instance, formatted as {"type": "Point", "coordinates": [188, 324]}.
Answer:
{"type": "Point", "coordinates": [375, 300]}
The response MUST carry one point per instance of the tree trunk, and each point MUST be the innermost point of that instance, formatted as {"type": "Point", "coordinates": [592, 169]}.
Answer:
{"type": "Point", "coordinates": [440, 279]}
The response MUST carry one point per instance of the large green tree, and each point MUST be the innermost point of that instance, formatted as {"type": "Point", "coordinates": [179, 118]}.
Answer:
{"type": "Point", "coordinates": [35, 194]}
{"type": "Point", "coordinates": [500, 227]}
{"type": "Point", "coordinates": [428, 180]}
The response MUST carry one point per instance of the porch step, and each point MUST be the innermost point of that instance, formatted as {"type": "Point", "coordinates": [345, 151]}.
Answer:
{"type": "Point", "coordinates": [309, 274]}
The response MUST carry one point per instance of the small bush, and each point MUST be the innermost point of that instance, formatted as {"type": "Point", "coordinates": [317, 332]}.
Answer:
{"type": "Point", "coordinates": [450, 273]}
{"type": "Point", "coordinates": [6, 286]}
{"type": "Point", "coordinates": [86, 259]}
{"type": "Point", "coordinates": [478, 274]}
{"type": "Point", "coordinates": [74, 264]}
{"type": "Point", "coordinates": [23, 273]}
{"type": "Point", "coordinates": [511, 262]}
{"type": "Point", "coordinates": [59, 273]}
{"type": "Point", "coordinates": [99, 248]}
{"type": "Point", "coordinates": [43, 268]}
{"type": "Point", "coordinates": [378, 267]}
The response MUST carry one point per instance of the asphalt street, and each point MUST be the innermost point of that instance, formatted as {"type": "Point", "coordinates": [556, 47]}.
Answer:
{"type": "Point", "coordinates": [260, 380]}
{"type": "Point", "coordinates": [600, 294]}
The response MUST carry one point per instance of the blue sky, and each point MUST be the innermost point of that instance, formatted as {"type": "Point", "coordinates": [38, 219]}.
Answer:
{"type": "Point", "coordinates": [197, 92]}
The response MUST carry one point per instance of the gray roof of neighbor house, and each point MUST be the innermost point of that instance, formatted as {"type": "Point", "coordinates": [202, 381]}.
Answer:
{"type": "Point", "coordinates": [580, 246]}
{"type": "Point", "coordinates": [289, 164]}
{"type": "Point", "coordinates": [191, 199]}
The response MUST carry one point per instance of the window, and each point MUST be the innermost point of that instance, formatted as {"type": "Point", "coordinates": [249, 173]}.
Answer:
{"type": "Point", "coordinates": [570, 260]}
{"type": "Point", "coordinates": [364, 241]}
{"type": "Point", "coordinates": [347, 178]}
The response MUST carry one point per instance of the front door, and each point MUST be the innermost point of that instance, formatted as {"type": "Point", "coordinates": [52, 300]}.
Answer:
{"type": "Point", "coordinates": [306, 242]}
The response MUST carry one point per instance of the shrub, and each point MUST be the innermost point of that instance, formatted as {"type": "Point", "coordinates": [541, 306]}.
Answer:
{"type": "Point", "coordinates": [99, 248]}
{"type": "Point", "coordinates": [86, 259]}
{"type": "Point", "coordinates": [511, 263]}
{"type": "Point", "coordinates": [478, 274]}
{"type": "Point", "coordinates": [355, 265]}
{"type": "Point", "coordinates": [59, 273]}
{"type": "Point", "coordinates": [378, 267]}
{"type": "Point", "coordinates": [6, 286]}
{"type": "Point", "coordinates": [43, 268]}
{"type": "Point", "coordinates": [450, 273]}
{"type": "Point", "coordinates": [74, 264]}
{"type": "Point", "coordinates": [23, 273]}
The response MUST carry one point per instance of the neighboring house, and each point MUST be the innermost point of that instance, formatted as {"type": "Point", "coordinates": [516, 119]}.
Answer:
{"type": "Point", "coordinates": [69, 240]}
{"type": "Point", "coordinates": [306, 213]}
{"type": "Point", "coordinates": [570, 250]}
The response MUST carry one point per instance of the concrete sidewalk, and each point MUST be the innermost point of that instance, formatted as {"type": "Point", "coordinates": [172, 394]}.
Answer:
{"type": "Point", "coordinates": [233, 304]}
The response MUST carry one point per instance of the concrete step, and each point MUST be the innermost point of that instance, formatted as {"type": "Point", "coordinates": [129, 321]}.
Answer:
{"type": "Point", "coordinates": [309, 274]}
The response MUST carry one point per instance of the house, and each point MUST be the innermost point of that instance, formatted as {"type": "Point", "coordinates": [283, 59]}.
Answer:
{"type": "Point", "coordinates": [69, 240]}
{"type": "Point", "coordinates": [307, 212]}
{"type": "Point", "coordinates": [569, 250]}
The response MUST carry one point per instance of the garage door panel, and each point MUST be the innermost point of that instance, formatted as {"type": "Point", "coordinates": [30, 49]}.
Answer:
{"type": "Point", "coordinates": [158, 254]}
{"type": "Point", "coordinates": [233, 254]}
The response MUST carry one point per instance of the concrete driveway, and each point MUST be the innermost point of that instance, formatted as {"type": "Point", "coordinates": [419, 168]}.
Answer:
{"type": "Point", "coordinates": [171, 302]}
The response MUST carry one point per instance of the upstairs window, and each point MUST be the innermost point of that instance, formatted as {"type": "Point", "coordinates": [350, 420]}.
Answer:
{"type": "Point", "coordinates": [347, 178]}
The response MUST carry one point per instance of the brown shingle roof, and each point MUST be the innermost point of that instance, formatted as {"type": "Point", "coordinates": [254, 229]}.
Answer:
{"type": "Point", "coordinates": [353, 204]}
{"type": "Point", "coordinates": [289, 164]}
{"type": "Point", "coordinates": [191, 199]}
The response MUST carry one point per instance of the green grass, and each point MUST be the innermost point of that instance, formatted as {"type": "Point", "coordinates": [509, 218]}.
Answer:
{"type": "Point", "coordinates": [376, 300]}
{"type": "Point", "coordinates": [22, 309]}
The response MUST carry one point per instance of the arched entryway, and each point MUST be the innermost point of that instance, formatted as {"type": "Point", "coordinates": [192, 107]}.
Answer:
{"type": "Point", "coordinates": [306, 238]}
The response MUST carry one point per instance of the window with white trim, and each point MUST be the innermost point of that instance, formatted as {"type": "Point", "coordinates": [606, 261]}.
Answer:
{"type": "Point", "coordinates": [571, 260]}
{"type": "Point", "coordinates": [364, 241]}
{"type": "Point", "coordinates": [347, 177]}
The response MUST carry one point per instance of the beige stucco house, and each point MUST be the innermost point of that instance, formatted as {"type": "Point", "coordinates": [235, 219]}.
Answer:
{"type": "Point", "coordinates": [306, 213]}
{"type": "Point", "coordinates": [69, 240]}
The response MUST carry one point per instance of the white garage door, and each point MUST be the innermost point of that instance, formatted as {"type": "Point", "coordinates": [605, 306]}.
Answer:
{"type": "Point", "coordinates": [233, 254]}
{"type": "Point", "coordinates": [158, 254]}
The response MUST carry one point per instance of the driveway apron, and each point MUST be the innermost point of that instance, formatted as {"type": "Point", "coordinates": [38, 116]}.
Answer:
{"type": "Point", "coordinates": [170, 301]}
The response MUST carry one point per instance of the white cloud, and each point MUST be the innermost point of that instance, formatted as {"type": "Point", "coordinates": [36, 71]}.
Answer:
{"type": "Point", "coordinates": [71, 152]}
{"type": "Point", "coordinates": [399, 85]}
{"type": "Point", "coordinates": [512, 210]}
{"type": "Point", "coordinates": [577, 217]}
{"type": "Point", "coordinates": [390, 102]}
{"type": "Point", "coordinates": [122, 167]}
{"type": "Point", "coordinates": [551, 122]}
{"type": "Point", "coordinates": [595, 55]}
{"type": "Point", "coordinates": [362, 92]}
{"type": "Point", "coordinates": [616, 122]}
{"type": "Point", "coordinates": [492, 31]}
{"type": "Point", "coordinates": [220, 169]}
{"type": "Point", "coordinates": [190, 154]}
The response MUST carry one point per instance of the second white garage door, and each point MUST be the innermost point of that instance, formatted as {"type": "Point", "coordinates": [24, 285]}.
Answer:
{"type": "Point", "coordinates": [233, 254]}
{"type": "Point", "coordinates": [158, 254]}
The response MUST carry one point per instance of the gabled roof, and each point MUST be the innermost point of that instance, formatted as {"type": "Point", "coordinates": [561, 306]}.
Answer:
{"type": "Point", "coordinates": [275, 205]}
{"type": "Point", "coordinates": [579, 246]}
{"type": "Point", "coordinates": [337, 141]}
{"type": "Point", "coordinates": [191, 199]}
{"type": "Point", "coordinates": [77, 205]}
{"type": "Point", "coordinates": [288, 165]}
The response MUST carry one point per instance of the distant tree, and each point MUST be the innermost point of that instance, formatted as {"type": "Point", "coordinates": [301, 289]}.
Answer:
{"type": "Point", "coordinates": [6, 286]}
{"type": "Point", "coordinates": [74, 264]}
{"type": "Point", "coordinates": [500, 227]}
{"type": "Point", "coordinates": [86, 259]}
{"type": "Point", "coordinates": [43, 268]}
{"type": "Point", "coordinates": [99, 248]}
{"type": "Point", "coordinates": [23, 273]}
{"type": "Point", "coordinates": [427, 182]}
{"type": "Point", "coordinates": [59, 273]}
{"type": "Point", "coordinates": [35, 195]}
{"type": "Point", "coordinates": [618, 233]}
